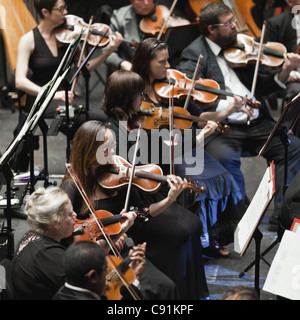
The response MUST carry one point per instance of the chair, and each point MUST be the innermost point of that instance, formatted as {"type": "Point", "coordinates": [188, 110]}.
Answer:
{"type": "Point", "coordinates": [7, 292]}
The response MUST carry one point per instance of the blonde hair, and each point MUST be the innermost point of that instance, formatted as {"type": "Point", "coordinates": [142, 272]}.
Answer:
{"type": "Point", "coordinates": [45, 206]}
{"type": "Point", "coordinates": [241, 293]}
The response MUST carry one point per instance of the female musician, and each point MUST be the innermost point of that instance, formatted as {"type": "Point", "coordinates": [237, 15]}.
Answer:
{"type": "Point", "coordinates": [222, 200]}
{"type": "Point", "coordinates": [38, 270]}
{"type": "Point", "coordinates": [176, 231]}
{"type": "Point", "coordinates": [39, 56]}
{"type": "Point", "coordinates": [172, 233]}
{"type": "Point", "coordinates": [95, 142]}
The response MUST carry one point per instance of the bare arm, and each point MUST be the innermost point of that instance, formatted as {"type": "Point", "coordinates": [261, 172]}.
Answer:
{"type": "Point", "coordinates": [22, 82]}
{"type": "Point", "coordinates": [177, 185]}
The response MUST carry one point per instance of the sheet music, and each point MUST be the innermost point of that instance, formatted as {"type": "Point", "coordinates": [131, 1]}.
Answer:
{"type": "Point", "coordinates": [283, 278]}
{"type": "Point", "coordinates": [32, 122]}
{"type": "Point", "coordinates": [255, 211]}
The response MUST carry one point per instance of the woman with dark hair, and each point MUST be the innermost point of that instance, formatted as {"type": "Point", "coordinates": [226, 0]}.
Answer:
{"type": "Point", "coordinates": [92, 155]}
{"type": "Point", "coordinates": [39, 56]}
{"type": "Point", "coordinates": [221, 206]}
{"type": "Point", "coordinates": [173, 236]}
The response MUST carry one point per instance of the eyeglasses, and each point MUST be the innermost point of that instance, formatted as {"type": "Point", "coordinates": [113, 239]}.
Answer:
{"type": "Point", "coordinates": [61, 9]}
{"type": "Point", "coordinates": [227, 24]}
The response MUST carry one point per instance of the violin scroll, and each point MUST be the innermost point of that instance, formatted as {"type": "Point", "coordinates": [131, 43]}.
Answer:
{"type": "Point", "coordinates": [193, 186]}
{"type": "Point", "coordinates": [223, 128]}
{"type": "Point", "coordinates": [253, 104]}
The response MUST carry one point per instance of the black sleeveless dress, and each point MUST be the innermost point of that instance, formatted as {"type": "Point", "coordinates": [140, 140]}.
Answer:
{"type": "Point", "coordinates": [43, 65]}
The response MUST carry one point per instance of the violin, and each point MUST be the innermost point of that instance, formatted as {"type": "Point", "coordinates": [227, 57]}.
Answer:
{"type": "Point", "coordinates": [245, 51]}
{"type": "Point", "coordinates": [205, 92]}
{"type": "Point", "coordinates": [182, 87]}
{"type": "Point", "coordinates": [88, 229]}
{"type": "Point", "coordinates": [116, 266]}
{"type": "Point", "coordinates": [73, 26]}
{"type": "Point", "coordinates": [156, 117]}
{"type": "Point", "coordinates": [147, 178]}
{"type": "Point", "coordinates": [152, 25]}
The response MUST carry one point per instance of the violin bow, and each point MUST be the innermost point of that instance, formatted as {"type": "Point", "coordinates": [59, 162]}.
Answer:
{"type": "Point", "coordinates": [257, 65]}
{"type": "Point", "coordinates": [82, 51]}
{"type": "Point", "coordinates": [166, 20]}
{"type": "Point", "coordinates": [173, 139]}
{"type": "Point", "coordinates": [100, 225]}
{"type": "Point", "coordinates": [187, 100]}
{"type": "Point", "coordinates": [91, 208]}
{"type": "Point", "coordinates": [132, 170]}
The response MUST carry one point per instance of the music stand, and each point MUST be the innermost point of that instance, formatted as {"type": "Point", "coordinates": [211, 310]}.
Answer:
{"type": "Point", "coordinates": [284, 126]}
{"type": "Point", "coordinates": [68, 83]}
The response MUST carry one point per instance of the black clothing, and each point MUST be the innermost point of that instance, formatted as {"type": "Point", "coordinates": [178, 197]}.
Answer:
{"type": "Point", "coordinates": [42, 65]}
{"type": "Point", "coordinates": [155, 285]}
{"type": "Point", "coordinates": [290, 205]}
{"type": "Point", "coordinates": [281, 28]}
{"type": "Point", "coordinates": [38, 270]}
{"type": "Point", "coordinates": [243, 139]}
{"type": "Point", "coordinates": [65, 293]}
{"type": "Point", "coordinates": [173, 237]}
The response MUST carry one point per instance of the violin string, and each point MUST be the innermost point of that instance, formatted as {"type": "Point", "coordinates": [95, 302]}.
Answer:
{"type": "Point", "coordinates": [122, 267]}
{"type": "Point", "coordinates": [132, 169]}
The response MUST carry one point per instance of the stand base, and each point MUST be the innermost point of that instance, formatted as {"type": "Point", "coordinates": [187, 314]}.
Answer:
{"type": "Point", "coordinates": [7, 244]}
{"type": "Point", "coordinates": [271, 246]}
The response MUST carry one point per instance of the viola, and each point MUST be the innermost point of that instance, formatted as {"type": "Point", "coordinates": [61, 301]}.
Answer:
{"type": "Point", "coordinates": [157, 117]}
{"type": "Point", "coordinates": [205, 92]}
{"type": "Point", "coordinates": [147, 178]}
{"type": "Point", "coordinates": [153, 24]}
{"type": "Point", "coordinates": [97, 31]}
{"type": "Point", "coordinates": [245, 51]}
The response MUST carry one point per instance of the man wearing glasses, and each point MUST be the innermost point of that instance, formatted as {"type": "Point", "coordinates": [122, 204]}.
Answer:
{"type": "Point", "coordinates": [248, 132]}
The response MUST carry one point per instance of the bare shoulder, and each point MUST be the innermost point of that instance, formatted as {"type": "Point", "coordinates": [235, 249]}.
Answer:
{"type": "Point", "coordinates": [27, 41]}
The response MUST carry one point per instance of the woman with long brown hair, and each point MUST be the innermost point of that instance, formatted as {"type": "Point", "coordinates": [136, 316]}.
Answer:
{"type": "Point", "coordinates": [92, 153]}
{"type": "Point", "coordinates": [173, 236]}
{"type": "Point", "coordinates": [221, 206]}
